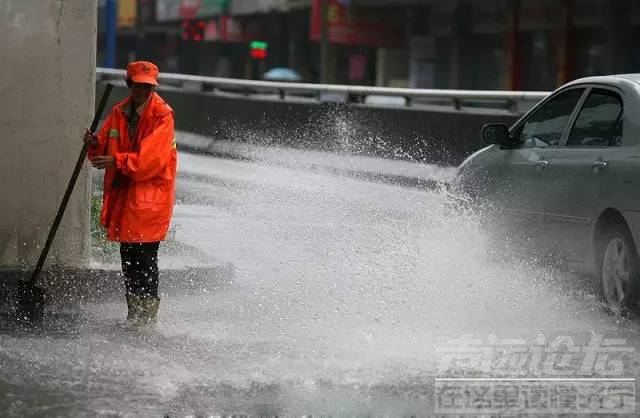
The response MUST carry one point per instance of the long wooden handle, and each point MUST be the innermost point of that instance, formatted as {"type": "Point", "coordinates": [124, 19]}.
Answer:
{"type": "Point", "coordinates": [70, 186]}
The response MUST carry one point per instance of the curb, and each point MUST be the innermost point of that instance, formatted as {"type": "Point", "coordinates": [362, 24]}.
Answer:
{"type": "Point", "coordinates": [73, 287]}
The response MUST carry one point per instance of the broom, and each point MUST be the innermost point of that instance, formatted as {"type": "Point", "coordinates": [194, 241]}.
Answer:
{"type": "Point", "coordinates": [31, 297]}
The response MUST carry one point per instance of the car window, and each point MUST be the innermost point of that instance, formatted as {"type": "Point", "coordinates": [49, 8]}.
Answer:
{"type": "Point", "coordinates": [599, 123]}
{"type": "Point", "coordinates": [545, 126]}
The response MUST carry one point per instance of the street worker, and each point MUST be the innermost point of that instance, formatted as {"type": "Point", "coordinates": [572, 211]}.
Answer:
{"type": "Point", "coordinates": [136, 148]}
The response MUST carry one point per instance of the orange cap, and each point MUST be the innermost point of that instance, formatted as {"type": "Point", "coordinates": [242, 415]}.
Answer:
{"type": "Point", "coordinates": [143, 72]}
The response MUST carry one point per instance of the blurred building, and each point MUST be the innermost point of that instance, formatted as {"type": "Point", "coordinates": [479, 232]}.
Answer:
{"type": "Point", "coordinates": [467, 44]}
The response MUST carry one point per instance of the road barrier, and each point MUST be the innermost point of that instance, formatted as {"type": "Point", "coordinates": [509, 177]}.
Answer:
{"type": "Point", "coordinates": [425, 125]}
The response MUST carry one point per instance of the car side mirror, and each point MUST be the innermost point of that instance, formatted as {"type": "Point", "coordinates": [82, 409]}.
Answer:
{"type": "Point", "coordinates": [496, 133]}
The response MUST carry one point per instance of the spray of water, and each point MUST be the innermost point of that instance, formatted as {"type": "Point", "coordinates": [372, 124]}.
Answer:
{"type": "Point", "coordinates": [348, 281]}
{"type": "Point", "coordinates": [344, 293]}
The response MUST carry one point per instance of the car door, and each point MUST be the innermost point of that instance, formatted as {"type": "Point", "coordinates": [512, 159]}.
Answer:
{"type": "Point", "coordinates": [539, 134]}
{"type": "Point", "coordinates": [578, 170]}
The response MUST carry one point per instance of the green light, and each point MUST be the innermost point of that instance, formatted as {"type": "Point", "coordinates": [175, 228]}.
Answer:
{"type": "Point", "coordinates": [258, 45]}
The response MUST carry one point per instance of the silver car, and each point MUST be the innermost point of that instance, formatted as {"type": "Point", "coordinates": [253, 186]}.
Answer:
{"type": "Point", "coordinates": [567, 174]}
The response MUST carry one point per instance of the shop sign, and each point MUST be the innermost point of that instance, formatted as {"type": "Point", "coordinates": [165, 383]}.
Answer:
{"type": "Point", "coordinates": [211, 32]}
{"type": "Point", "coordinates": [248, 7]}
{"type": "Point", "coordinates": [223, 29]}
{"type": "Point", "coordinates": [209, 8]}
{"type": "Point", "coordinates": [190, 9]}
{"type": "Point", "coordinates": [344, 29]}
{"type": "Point", "coordinates": [127, 13]}
{"type": "Point", "coordinates": [231, 29]}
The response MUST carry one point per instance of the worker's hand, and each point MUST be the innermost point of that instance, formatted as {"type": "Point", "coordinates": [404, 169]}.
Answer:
{"type": "Point", "coordinates": [89, 138]}
{"type": "Point", "coordinates": [104, 161]}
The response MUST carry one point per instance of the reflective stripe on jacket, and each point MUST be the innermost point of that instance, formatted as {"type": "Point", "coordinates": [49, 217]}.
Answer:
{"type": "Point", "coordinates": [140, 191]}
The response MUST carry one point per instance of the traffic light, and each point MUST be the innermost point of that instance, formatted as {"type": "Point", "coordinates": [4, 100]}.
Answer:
{"type": "Point", "coordinates": [258, 50]}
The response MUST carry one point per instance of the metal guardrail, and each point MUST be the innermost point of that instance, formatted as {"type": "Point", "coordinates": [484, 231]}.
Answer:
{"type": "Point", "coordinates": [513, 101]}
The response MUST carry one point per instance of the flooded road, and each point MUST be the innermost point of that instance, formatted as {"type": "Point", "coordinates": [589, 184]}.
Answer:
{"type": "Point", "coordinates": [345, 297]}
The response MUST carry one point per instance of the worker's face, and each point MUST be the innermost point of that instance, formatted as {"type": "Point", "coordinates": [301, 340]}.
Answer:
{"type": "Point", "coordinates": [140, 92]}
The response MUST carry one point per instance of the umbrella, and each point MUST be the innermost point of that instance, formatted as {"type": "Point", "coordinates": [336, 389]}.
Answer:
{"type": "Point", "coordinates": [282, 74]}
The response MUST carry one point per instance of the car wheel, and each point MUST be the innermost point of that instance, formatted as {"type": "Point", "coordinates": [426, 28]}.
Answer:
{"type": "Point", "coordinates": [619, 269]}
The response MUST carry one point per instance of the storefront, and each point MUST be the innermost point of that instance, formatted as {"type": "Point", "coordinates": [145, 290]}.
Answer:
{"type": "Point", "coordinates": [202, 37]}
{"type": "Point", "coordinates": [215, 35]}
{"type": "Point", "coordinates": [470, 44]}
{"type": "Point", "coordinates": [354, 35]}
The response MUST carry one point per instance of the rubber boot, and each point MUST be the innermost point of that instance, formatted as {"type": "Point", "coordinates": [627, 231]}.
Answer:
{"type": "Point", "coordinates": [149, 311]}
{"type": "Point", "coordinates": [134, 308]}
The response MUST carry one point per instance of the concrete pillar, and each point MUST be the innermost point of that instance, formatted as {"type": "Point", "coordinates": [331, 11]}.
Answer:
{"type": "Point", "coordinates": [47, 83]}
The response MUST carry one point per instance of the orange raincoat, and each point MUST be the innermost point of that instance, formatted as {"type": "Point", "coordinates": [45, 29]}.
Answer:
{"type": "Point", "coordinates": [140, 191]}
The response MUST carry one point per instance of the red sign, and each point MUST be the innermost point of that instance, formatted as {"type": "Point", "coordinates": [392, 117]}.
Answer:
{"type": "Point", "coordinates": [231, 29]}
{"type": "Point", "coordinates": [344, 30]}
{"type": "Point", "coordinates": [193, 31]}
{"type": "Point", "coordinates": [189, 8]}
{"type": "Point", "coordinates": [223, 29]}
{"type": "Point", "coordinates": [211, 32]}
